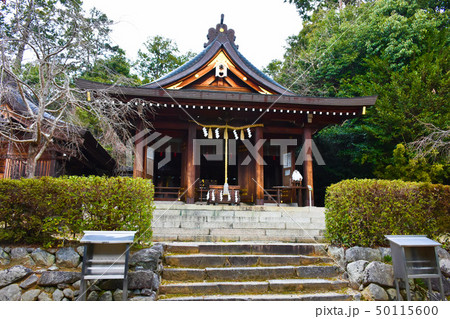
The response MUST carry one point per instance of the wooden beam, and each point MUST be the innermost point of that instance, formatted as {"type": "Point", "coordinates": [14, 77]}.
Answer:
{"type": "Point", "coordinates": [193, 78]}
{"type": "Point", "coordinates": [219, 88]}
{"type": "Point", "coordinates": [308, 164]}
{"type": "Point", "coordinates": [249, 82]}
{"type": "Point", "coordinates": [172, 125]}
{"type": "Point", "coordinates": [294, 131]}
{"type": "Point", "coordinates": [183, 163]}
{"type": "Point", "coordinates": [190, 167]}
{"type": "Point", "coordinates": [259, 169]}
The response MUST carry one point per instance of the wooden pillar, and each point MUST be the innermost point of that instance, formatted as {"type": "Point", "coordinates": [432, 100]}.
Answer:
{"type": "Point", "coordinates": [308, 164]}
{"type": "Point", "coordinates": [259, 169]}
{"type": "Point", "coordinates": [149, 167]}
{"type": "Point", "coordinates": [8, 162]}
{"type": "Point", "coordinates": [190, 172]}
{"type": "Point", "coordinates": [183, 165]}
{"type": "Point", "coordinates": [52, 167]}
{"type": "Point", "coordinates": [139, 156]}
{"type": "Point", "coordinates": [244, 173]}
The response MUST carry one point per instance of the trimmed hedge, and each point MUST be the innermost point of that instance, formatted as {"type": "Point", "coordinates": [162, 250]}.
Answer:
{"type": "Point", "coordinates": [361, 212]}
{"type": "Point", "coordinates": [41, 210]}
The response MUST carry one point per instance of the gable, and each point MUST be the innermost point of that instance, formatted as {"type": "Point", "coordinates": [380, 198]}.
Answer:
{"type": "Point", "coordinates": [200, 72]}
{"type": "Point", "coordinates": [220, 73]}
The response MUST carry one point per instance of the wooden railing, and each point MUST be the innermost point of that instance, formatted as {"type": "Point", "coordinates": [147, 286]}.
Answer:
{"type": "Point", "coordinates": [167, 193]}
{"type": "Point", "coordinates": [285, 194]}
{"type": "Point", "coordinates": [270, 196]}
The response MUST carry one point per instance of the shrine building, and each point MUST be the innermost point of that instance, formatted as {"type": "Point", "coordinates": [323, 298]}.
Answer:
{"type": "Point", "coordinates": [224, 132]}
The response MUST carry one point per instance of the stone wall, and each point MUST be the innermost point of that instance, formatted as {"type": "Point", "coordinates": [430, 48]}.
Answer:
{"type": "Point", "coordinates": [371, 272]}
{"type": "Point", "coordinates": [54, 274]}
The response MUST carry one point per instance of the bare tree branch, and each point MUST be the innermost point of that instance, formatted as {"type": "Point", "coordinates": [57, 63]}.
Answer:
{"type": "Point", "coordinates": [437, 142]}
{"type": "Point", "coordinates": [46, 114]}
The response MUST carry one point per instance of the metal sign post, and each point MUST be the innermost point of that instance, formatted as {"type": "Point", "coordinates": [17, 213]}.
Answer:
{"type": "Point", "coordinates": [106, 256]}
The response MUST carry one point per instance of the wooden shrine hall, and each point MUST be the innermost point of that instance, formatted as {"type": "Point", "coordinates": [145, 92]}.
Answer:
{"type": "Point", "coordinates": [220, 96]}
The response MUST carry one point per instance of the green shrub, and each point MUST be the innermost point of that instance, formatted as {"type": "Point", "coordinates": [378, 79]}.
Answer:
{"type": "Point", "coordinates": [361, 212]}
{"type": "Point", "coordinates": [39, 210]}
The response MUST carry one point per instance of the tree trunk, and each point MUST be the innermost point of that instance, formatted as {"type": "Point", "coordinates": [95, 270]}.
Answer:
{"type": "Point", "coordinates": [31, 161]}
{"type": "Point", "coordinates": [25, 37]}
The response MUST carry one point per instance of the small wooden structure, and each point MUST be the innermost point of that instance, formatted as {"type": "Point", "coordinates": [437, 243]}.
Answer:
{"type": "Point", "coordinates": [220, 94]}
{"type": "Point", "coordinates": [295, 190]}
{"type": "Point", "coordinates": [106, 256]}
{"type": "Point", "coordinates": [88, 157]}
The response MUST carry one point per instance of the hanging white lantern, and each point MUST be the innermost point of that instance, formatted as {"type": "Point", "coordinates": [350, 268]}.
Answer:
{"type": "Point", "coordinates": [205, 132]}
{"type": "Point", "coordinates": [249, 132]}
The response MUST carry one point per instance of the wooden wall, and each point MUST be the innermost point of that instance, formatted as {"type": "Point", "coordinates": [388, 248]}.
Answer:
{"type": "Point", "coordinates": [13, 163]}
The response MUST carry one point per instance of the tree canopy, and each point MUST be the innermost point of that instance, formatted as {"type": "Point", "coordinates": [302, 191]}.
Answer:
{"type": "Point", "coordinates": [396, 49]}
{"type": "Point", "coordinates": [158, 57]}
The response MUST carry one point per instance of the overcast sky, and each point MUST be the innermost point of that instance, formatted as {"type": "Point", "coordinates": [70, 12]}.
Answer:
{"type": "Point", "coordinates": [261, 26]}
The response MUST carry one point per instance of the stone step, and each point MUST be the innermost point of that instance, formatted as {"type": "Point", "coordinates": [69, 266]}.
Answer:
{"type": "Point", "coordinates": [211, 260]}
{"type": "Point", "coordinates": [250, 270]}
{"type": "Point", "coordinates": [328, 296]}
{"type": "Point", "coordinates": [238, 216]}
{"type": "Point", "coordinates": [298, 219]}
{"type": "Point", "coordinates": [255, 248]}
{"type": "Point", "coordinates": [249, 273]}
{"type": "Point", "coordinates": [162, 207]}
{"type": "Point", "coordinates": [161, 237]}
{"type": "Point", "coordinates": [255, 233]}
{"type": "Point", "coordinates": [233, 224]}
{"type": "Point", "coordinates": [286, 285]}
{"type": "Point", "coordinates": [252, 287]}
{"type": "Point", "coordinates": [182, 222]}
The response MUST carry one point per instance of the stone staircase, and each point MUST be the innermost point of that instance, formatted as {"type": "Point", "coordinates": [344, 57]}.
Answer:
{"type": "Point", "coordinates": [213, 223]}
{"type": "Point", "coordinates": [251, 271]}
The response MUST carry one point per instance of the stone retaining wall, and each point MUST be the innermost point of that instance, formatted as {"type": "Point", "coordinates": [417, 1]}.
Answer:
{"type": "Point", "coordinates": [54, 274]}
{"type": "Point", "coordinates": [369, 271]}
